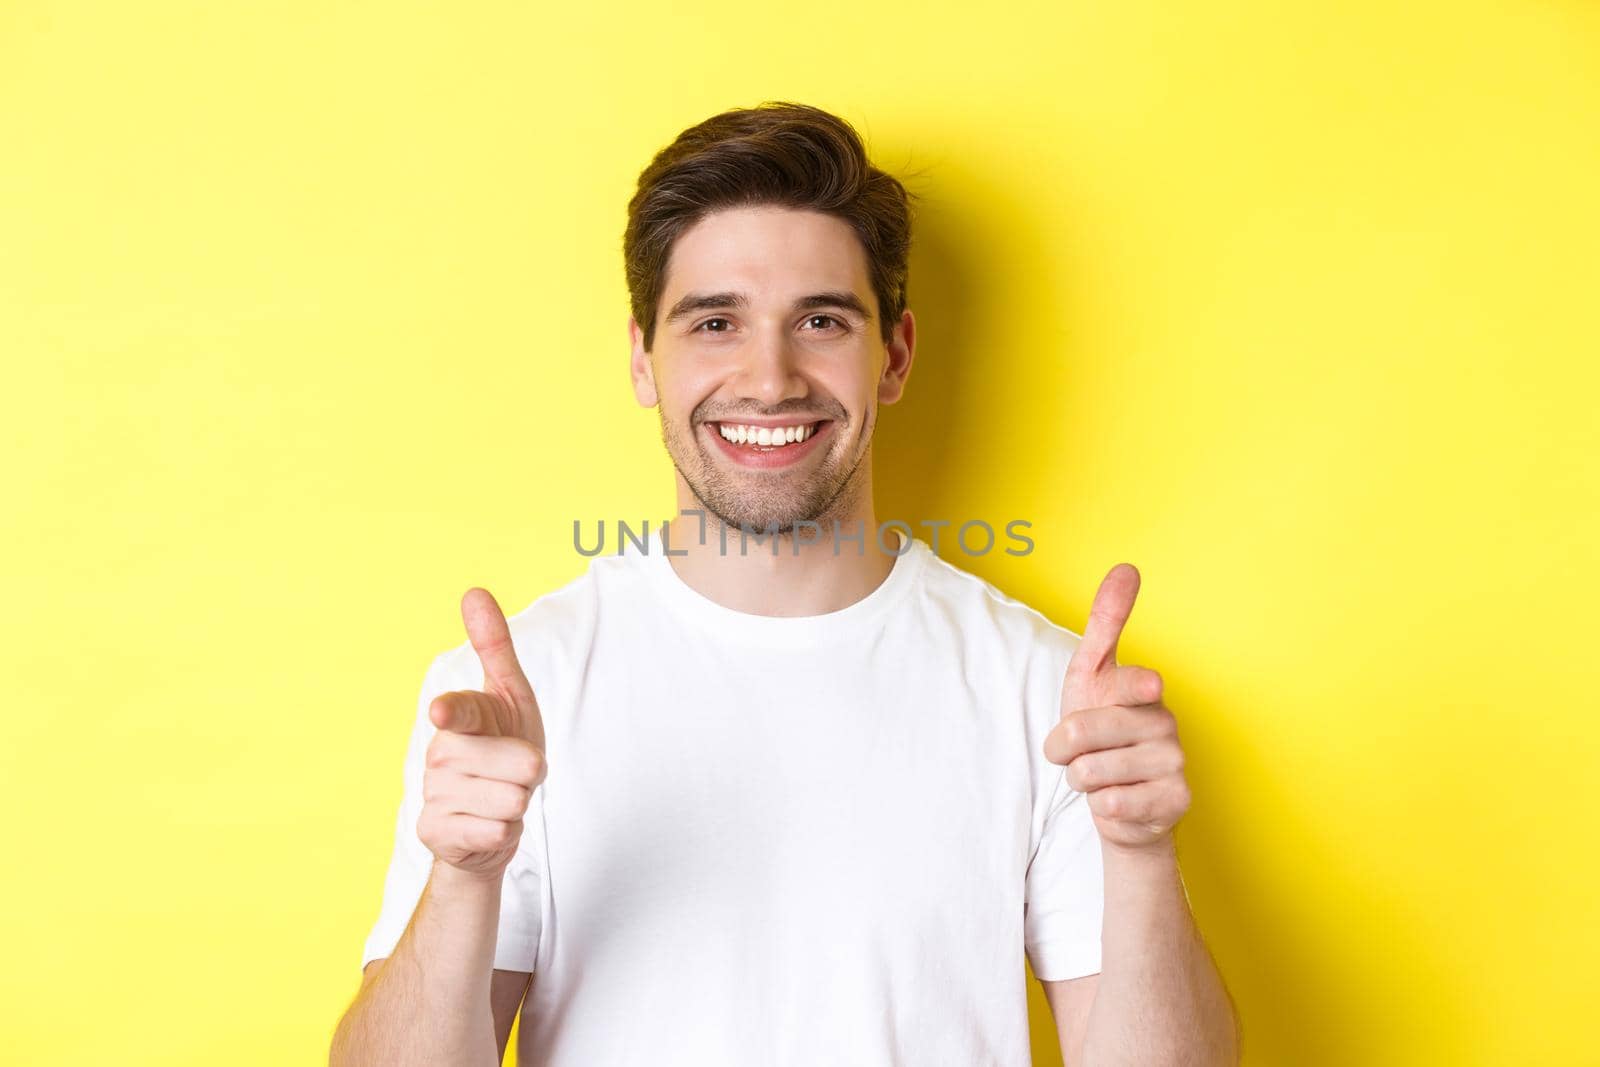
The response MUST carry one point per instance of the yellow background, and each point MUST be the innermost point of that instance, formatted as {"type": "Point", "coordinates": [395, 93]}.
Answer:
{"type": "Point", "coordinates": [313, 315]}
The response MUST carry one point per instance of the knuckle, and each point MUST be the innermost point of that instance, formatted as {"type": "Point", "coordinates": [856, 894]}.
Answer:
{"type": "Point", "coordinates": [441, 749]}
{"type": "Point", "coordinates": [1076, 729]}
{"type": "Point", "coordinates": [1083, 770]}
{"type": "Point", "coordinates": [511, 800]}
{"type": "Point", "coordinates": [519, 759]}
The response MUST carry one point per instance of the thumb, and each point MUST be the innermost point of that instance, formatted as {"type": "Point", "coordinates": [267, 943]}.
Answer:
{"type": "Point", "coordinates": [1113, 603]}
{"type": "Point", "coordinates": [502, 672]}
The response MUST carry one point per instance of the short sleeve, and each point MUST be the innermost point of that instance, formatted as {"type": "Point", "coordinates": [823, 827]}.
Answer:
{"type": "Point", "coordinates": [411, 862]}
{"type": "Point", "coordinates": [1064, 895]}
{"type": "Point", "coordinates": [1064, 898]}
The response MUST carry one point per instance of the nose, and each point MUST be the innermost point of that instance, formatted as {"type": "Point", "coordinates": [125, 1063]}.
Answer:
{"type": "Point", "coordinates": [769, 371]}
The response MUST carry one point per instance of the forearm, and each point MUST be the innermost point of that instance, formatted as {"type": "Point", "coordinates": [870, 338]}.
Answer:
{"type": "Point", "coordinates": [429, 1001]}
{"type": "Point", "coordinates": [1160, 999]}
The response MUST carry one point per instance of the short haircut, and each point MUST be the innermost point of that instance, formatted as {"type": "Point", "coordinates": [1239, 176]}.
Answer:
{"type": "Point", "coordinates": [777, 153]}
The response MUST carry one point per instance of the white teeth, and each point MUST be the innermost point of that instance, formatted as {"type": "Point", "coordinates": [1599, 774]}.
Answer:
{"type": "Point", "coordinates": [764, 435]}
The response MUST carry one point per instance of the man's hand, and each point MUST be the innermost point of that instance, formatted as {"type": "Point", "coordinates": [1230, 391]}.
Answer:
{"type": "Point", "coordinates": [1116, 738]}
{"type": "Point", "coordinates": [487, 757]}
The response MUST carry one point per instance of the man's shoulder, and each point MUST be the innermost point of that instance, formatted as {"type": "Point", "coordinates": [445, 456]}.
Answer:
{"type": "Point", "coordinates": [980, 608]}
{"type": "Point", "coordinates": [1000, 640]}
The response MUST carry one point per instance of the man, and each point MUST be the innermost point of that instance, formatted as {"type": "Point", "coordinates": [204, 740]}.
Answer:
{"type": "Point", "coordinates": [794, 802]}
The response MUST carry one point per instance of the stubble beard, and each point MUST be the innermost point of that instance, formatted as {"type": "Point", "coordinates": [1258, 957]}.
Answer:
{"type": "Point", "coordinates": [759, 499]}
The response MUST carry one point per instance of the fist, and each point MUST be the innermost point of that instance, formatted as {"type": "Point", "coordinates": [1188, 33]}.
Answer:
{"type": "Point", "coordinates": [1116, 738]}
{"type": "Point", "coordinates": [487, 756]}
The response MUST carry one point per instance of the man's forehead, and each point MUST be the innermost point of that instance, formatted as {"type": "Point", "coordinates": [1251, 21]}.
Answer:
{"type": "Point", "coordinates": [766, 252]}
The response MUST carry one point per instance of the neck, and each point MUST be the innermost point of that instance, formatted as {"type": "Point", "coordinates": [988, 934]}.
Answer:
{"type": "Point", "coordinates": [782, 576]}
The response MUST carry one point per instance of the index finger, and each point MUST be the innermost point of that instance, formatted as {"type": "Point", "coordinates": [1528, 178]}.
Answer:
{"type": "Point", "coordinates": [465, 712]}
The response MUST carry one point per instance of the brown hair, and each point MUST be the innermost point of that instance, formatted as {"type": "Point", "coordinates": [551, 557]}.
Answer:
{"type": "Point", "coordinates": [787, 154]}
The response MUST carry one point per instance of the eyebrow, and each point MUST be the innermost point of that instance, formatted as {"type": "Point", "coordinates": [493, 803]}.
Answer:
{"type": "Point", "coordinates": [831, 298]}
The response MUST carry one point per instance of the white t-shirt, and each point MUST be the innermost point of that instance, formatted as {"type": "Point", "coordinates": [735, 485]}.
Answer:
{"type": "Point", "coordinates": [764, 840]}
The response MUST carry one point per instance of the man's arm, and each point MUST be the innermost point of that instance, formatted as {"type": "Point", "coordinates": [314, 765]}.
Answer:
{"type": "Point", "coordinates": [507, 989]}
{"type": "Point", "coordinates": [437, 999]}
{"type": "Point", "coordinates": [1159, 998]}
{"type": "Point", "coordinates": [1070, 1001]}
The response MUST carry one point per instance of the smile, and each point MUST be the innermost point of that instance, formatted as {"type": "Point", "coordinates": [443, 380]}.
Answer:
{"type": "Point", "coordinates": [750, 445]}
{"type": "Point", "coordinates": [765, 435]}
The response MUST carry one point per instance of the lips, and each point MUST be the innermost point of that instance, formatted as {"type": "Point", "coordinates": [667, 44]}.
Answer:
{"type": "Point", "coordinates": [751, 453]}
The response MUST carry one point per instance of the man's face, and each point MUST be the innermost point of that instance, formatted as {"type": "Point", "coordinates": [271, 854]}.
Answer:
{"type": "Point", "coordinates": [768, 322]}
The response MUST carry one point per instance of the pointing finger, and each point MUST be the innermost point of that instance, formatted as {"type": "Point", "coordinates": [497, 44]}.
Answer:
{"type": "Point", "coordinates": [466, 711]}
{"type": "Point", "coordinates": [1093, 729]}
{"type": "Point", "coordinates": [1135, 685]}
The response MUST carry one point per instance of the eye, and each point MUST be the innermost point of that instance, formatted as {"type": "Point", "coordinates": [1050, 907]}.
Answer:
{"type": "Point", "coordinates": [828, 319]}
{"type": "Point", "coordinates": [702, 326]}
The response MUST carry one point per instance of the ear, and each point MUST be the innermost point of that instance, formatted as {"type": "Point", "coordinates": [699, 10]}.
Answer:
{"type": "Point", "coordinates": [900, 351]}
{"type": "Point", "coordinates": [640, 368]}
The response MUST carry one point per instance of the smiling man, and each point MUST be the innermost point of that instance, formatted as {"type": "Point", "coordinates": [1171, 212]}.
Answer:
{"type": "Point", "coordinates": [810, 798]}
